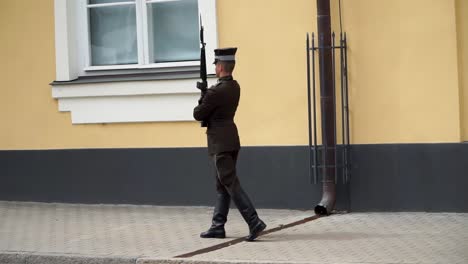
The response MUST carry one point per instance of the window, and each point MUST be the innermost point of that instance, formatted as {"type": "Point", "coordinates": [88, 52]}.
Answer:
{"type": "Point", "coordinates": [130, 60]}
{"type": "Point", "coordinates": [142, 32]}
{"type": "Point", "coordinates": [97, 37]}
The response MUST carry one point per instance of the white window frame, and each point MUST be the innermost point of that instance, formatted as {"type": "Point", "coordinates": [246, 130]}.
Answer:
{"type": "Point", "coordinates": [165, 100]}
{"type": "Point", "coordinates": [143, 36]}
{"type": "Point", "coordinates": [72, 40]}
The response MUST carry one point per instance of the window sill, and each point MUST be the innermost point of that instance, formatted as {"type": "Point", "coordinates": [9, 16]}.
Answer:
{"type": "Point", "coordinates": [161, 65]}
{"type": "Point", "coordinates": [131, 77]}
{"type": "Point", "coordinates": [148, 97]}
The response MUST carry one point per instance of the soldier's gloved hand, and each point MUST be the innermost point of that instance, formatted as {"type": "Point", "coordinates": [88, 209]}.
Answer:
{"type": "Point", "coordinates": [203, 93]}
{"type": "Point", "coordinates": [202, 86]}
{"type": "Point", "coordinates": [201, 98]}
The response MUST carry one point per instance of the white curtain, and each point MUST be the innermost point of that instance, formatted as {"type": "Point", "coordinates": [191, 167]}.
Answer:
{"type": "Point", "coordinates": [173, 31]}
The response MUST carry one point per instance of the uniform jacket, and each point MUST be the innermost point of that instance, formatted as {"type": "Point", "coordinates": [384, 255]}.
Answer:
{"type": "Point", "coordinates": [218, 107]}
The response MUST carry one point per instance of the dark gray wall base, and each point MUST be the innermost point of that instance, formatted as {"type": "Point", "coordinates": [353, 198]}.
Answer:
{"type": "Point", "coordinates": [410, 177]}
{"type": "Point", "coordinates": [419, 177]}
{"type": "Point", "coordinates": [274, 177]}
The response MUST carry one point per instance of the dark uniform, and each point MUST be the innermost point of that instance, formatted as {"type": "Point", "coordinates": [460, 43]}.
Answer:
{"type": "Point", "coordinates": [217, 109]}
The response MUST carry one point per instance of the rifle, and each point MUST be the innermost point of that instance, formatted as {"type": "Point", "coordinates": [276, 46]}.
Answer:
{"type": "Point", "coordinates": [203, 85]}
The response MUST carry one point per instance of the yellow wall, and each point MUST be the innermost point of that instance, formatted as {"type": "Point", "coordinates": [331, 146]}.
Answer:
{"type": "Point", "coordinates": [29, 115]}
{"type": "Point", "coordinates": [403, 71]}
{"type": "Point", "coordinates": [462, 32]}
{"type": "Point", "coordinates": [402, 62]}
{"type": "Point", "coordinates": [269, 100]}
{"type": "Point", "coordinates": [271, 67]}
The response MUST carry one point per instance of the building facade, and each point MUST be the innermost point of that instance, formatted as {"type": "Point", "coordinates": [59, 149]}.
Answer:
{"type": "Point", "coordinates": [97, 99]}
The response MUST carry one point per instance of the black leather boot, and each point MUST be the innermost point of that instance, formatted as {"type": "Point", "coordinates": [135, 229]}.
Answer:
{"type": "Point", "coordinates": [220, 213]}
{"type": "Point", "coordinates": [214, 233]}
{"type": "Point", "coordinates": [255, 230]}
{"type": "Point", "coordinates": [248, 212]}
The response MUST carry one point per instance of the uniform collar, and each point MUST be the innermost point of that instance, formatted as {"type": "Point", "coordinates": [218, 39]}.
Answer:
{"type": "Point", "coordinates": [225, 78]}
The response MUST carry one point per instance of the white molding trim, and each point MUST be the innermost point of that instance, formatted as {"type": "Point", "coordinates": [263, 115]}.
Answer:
{"type": "Point", "coordinates": [209, 19]}
{"type": "Point", "coordinates": [149, 108]}
{"type": "Point", "coordinates": [124, 102]}
{"type": "Point", "coordinates": [65, 40]}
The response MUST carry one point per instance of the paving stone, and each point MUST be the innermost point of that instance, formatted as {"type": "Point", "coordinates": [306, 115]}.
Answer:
{"type": "Point", "coordinates": [122, 234]}
{"type": "Point", "coordinates": [361, 238]}
{"type": "Point", "coordinates": [120, 230]}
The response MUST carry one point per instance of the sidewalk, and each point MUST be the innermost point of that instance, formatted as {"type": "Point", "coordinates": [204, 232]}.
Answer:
{"type": "Point", "coordinates": [124, 234]}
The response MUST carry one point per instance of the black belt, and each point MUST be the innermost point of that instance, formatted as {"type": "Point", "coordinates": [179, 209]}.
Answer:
{"type": "Point", "coordinates": [220, 123]}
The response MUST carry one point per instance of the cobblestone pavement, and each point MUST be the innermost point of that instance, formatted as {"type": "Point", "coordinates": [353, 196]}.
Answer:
{"type": "Point", "coordinates": [117, 230]}
{"type": "Point", "coordinates": [73, 233]}
{"type": "Point", "coordinates": [362, 238]}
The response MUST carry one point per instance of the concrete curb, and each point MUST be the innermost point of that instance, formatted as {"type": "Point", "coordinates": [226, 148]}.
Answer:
{"type": "Point", "coordinates": [214, 261]}
{"type": "Point", "coordinates": [34, 258]}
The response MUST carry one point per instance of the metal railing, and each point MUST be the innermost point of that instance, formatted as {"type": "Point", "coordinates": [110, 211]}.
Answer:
{"type": "Point", "coordinates": [317, 153]}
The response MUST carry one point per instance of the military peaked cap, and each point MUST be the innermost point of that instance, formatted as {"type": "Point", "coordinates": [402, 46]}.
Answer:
{"type": "Point", "coordinates": [225, 54]}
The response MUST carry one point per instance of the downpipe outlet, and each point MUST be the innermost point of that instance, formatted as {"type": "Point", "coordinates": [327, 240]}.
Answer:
{"type": "Point", "coordinates": [327, 204]}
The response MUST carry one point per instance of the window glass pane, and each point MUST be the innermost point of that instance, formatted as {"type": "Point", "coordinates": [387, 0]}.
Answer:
{"type": "Point", "coordinates": [173, 31]}
{"type": "Point", "coordinates": [113, 35]}
{"type": "Point", "coordinates": [93, 2]}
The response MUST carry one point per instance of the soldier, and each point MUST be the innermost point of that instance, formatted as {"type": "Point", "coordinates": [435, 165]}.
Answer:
{"type": "Point", "coordinates": [216, 109]}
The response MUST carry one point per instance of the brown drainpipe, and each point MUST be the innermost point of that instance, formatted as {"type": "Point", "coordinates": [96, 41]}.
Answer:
{"type": "Point", "coordinates": [327, 106]}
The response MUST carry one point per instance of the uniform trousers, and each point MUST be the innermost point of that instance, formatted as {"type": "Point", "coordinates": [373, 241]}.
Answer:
{"type": "Point", "coordinates": [228, 187]}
